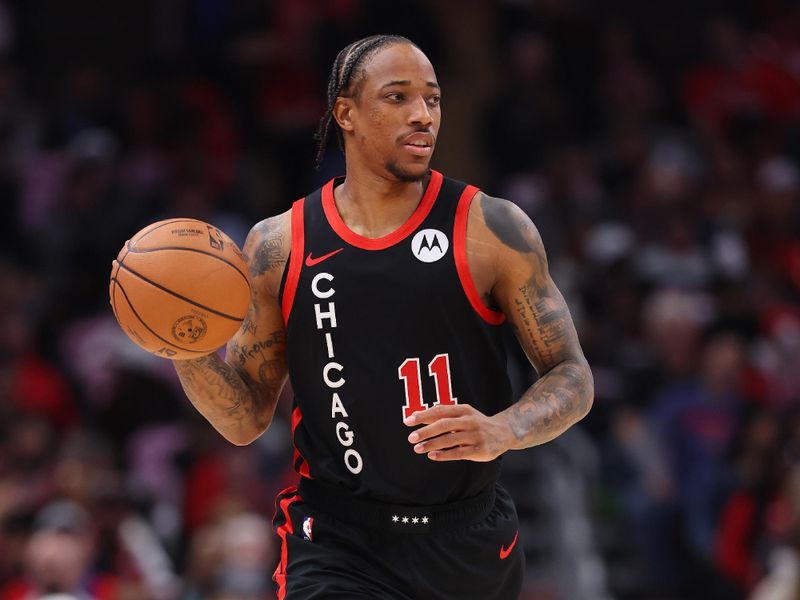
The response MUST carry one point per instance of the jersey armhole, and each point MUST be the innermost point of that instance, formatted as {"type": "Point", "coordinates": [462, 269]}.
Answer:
{"type": "Point", "coordinates": [492, 317]}
{"type": "Point", "coordinates": [295, 260]}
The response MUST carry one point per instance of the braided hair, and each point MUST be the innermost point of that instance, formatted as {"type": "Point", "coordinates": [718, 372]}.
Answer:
{"type": "Point", "coordinates": [345, 71]}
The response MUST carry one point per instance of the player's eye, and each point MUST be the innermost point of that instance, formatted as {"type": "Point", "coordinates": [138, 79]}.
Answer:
{"type": "Point", "coordinates": [435, 100]}
{"type": "Point", "coordinates": [395, 97]}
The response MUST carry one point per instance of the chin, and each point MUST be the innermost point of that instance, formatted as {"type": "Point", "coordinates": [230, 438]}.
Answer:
{"type": "Point", "coordinates": [409, 174]}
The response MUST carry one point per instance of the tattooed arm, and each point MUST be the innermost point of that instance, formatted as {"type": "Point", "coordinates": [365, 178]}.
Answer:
{"type": "Point", "coordinates": [238, 395]}
{"type": "Point", "coordinates": [509, 266]}
{"type": "Point", "coordinates": [540, 318]}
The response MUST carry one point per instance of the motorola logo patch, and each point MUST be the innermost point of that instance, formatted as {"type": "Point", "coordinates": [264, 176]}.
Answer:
{"type": "Point", "coordinates": [429, 245]}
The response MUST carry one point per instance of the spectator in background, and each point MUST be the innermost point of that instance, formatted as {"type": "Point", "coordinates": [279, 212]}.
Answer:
{"type": "Point", "coordinates": [529, 113]}
{"type": "Point", "coordinates": [695, 421]}
{"type": "Point", "coordinates": [58, 557]}
{"type": "Point", "coordinates": [742, 88]}
{"type": "Point", "coordinates": [748, 529]}
{"type": "Point", "coordinates": [231, 559]}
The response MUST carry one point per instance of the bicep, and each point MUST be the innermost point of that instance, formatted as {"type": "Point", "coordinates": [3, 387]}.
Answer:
{"type": "Point", "coordinates": [524, 290]}
{"type": "Point", "coordinates": [540, 318]}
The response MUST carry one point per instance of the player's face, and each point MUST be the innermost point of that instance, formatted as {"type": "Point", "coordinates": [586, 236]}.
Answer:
{"type": "Point", "coordinates": [396, 115]}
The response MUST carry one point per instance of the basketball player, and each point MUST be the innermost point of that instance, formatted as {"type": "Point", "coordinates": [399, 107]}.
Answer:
{"type": "Point", "coordinates": [382, 296]}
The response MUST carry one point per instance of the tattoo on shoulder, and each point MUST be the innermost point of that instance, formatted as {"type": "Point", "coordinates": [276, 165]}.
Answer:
{"type": "Point", "coordinates": [269, 254]}
{"type": "Point", "coordinates": [508, 224]}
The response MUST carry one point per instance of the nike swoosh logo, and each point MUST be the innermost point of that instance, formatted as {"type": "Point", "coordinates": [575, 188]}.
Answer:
{"type": "Point", "coordinates": [310, 262]}
{"type": "Point", "coordinates": [504, 552]}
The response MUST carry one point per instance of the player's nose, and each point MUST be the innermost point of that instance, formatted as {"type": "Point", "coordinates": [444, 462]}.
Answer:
{"type": "Point", "coordinates": [420, 112]}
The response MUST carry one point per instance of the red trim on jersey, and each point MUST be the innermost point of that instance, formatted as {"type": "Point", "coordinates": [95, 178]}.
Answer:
{"type": "Point", "coordinates": [492, 317]}
{"type": "Point", "coordinates": [297, 416]}
{"type": "Point", "coordinates": [295, 260]}
{"type": "Point", "coordinates": [399, 234]}
{"type": "Point", "coordinates": [283, 530]}
{"type": "Point", "coordinates": [303, 467]}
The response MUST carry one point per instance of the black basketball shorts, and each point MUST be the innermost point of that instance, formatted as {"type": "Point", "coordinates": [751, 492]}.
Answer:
{"type": "Point", "coordinates": [337, 547]}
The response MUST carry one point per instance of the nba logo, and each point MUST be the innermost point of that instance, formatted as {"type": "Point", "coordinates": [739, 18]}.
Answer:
{"type": "Point", "coordinates": [215, 238]}
{"type": "Point", "coordinates": [308, 522]}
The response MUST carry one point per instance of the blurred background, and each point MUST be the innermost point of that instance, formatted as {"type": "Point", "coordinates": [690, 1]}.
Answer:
{"type": "Point", "coordinates": [655, 144]}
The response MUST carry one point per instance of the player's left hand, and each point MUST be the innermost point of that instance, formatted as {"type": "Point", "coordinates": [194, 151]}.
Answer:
{"type": "Point", "coordinates": [458, 432]}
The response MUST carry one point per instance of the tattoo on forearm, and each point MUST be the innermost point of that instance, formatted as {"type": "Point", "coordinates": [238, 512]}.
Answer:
{"type": "Point", "coordinates": [229, 398]}
{"type": "Point", "coordinates": [564, 392]}
{"type": "Point", "coordinates": [552, 404]}
{"type": "Point", "coordinates": [541, 320]}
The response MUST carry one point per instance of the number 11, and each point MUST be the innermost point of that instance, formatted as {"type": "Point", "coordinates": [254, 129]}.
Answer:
{"type": "Point", "coordinates": [439, 369]}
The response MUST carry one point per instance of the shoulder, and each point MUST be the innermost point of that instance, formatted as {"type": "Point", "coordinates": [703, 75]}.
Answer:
{"type": "Point", "coordinates": [502, 245]}
{"type": "Point", "coordinates": [267, 249]}
{"type": "Point", "coordinates": [505, 225]}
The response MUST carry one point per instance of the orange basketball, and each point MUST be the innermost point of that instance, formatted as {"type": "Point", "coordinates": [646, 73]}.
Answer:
{"type": "Point", "coordinates": [180, 288]}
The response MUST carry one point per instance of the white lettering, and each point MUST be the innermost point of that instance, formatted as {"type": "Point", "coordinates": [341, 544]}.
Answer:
{"type": "Point", "coordinates": [329, 344]}
{"type": "Point", "coordinates": [347, 440]}
{"type": "Point", "coordinates": [337, 407]}
{"type": "Point", "coordinates": [315, 286]}
{"type": "Point", "coordinates": [325, 375]}
{"type": "Point", "coordinates": [331, 314]}
{"type": "Point", "coordinates": [345, 436]}
{"type": "Point", "coordinates": [356, 468]}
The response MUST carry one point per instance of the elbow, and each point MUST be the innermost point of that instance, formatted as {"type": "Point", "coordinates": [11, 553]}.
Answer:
{"type": "Point", "coordinates": [586, 405]}
{"type": "Point", "coordinates": [240, 440]}
{"type": "Point", "coordinates": [580, 381]}
{"type": "Point", "coordinates": [245, 437]}
{"type": "Point", "coordinates": [587, 392]}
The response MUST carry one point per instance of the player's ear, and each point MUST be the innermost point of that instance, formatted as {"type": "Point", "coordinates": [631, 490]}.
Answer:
{"type": "Point", "coordinates": [342, 113]}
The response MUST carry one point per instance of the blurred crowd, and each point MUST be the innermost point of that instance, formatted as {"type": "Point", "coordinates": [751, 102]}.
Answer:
{"type": "Point", "coordinates": [657, 148]}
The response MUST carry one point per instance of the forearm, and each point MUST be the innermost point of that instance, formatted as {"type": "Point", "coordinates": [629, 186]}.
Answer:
{"type": "Point", "coordinates": [558, 400]}
{"type": "Point", "coordinates": [233, 405]}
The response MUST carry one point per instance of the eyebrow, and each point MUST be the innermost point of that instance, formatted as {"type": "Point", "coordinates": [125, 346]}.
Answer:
{"type": "Point", "coordinates": [432, 84]}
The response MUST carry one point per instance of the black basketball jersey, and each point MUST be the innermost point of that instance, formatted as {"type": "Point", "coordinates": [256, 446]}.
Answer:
{"type": "Point", "coordinates": [378, 329]}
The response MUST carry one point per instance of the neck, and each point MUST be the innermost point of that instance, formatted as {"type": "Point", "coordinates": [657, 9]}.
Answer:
{"type": "Point", "coordinates": [374, 205]}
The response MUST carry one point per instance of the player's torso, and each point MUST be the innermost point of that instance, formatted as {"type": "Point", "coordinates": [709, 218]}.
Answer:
{"type": "Point", "coordinates": [378, 329]}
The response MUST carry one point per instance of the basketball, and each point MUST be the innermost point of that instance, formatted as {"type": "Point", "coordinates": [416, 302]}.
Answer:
{"type": "Point", "coordinates": [180, 288]}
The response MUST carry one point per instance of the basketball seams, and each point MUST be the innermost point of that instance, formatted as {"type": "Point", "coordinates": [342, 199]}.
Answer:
{"type": "Point", "coordinates": [114, 298]}
{"type": "Point", "coordinates": [179, 296]}
{"type": "Point", "coordinates": [118, 284]}
{"type": "Point", "coordinates": [133, 250]}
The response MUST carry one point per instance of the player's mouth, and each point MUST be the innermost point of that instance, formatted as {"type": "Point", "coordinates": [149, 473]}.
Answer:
{"type": "Point", "coordinates": [419, 144]}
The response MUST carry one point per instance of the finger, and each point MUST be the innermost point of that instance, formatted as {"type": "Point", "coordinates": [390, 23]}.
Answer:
{"type": "Point", "coordinates": [440, 411]}
{"type": "Point", "coordinates": [438, 428]}
{"type": "Point", "coordinates": [457, 453]}
{"type": "Point", "coordinates": [448, 440]}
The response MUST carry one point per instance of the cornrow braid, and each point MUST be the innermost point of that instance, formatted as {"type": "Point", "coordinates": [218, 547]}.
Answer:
{"type": "Point", "coordinates": [344, 72]}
